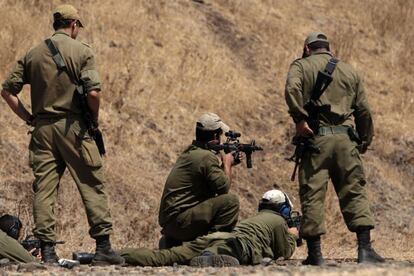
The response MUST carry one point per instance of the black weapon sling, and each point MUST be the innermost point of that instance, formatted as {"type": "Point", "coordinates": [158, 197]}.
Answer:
{"type": "Point", "coordinates": [92, 127]}
{"type": "Point", "coordinates": [323, 80]}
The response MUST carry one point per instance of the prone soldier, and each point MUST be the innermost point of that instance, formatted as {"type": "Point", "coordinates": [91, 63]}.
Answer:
{"type": "Point", "coordinates": [262, 236]}
{"type": "Point", "coordinates": [10, 248]}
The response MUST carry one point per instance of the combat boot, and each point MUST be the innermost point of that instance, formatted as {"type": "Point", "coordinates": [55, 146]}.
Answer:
{"type": "Point", "coordinates": [104, 254]}
{"type": "Point", "coordinates": [314, 252]}
{"type": "Point", "coordinates": [209, 259]}
{"type": "Point", "coordinates": [366, 254]}
{"type": "Point", "coordinates": [48, 252]}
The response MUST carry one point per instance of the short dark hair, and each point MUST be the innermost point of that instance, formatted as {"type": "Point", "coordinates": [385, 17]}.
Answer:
{"type": "Point", "coordinates": [319, 45]}
{"type": "Point", "coordinates": [62, 23]}
{"type": "Point", "coordinates": [11, 225]}
{"type": "Point", "coordinates": [206, 135]}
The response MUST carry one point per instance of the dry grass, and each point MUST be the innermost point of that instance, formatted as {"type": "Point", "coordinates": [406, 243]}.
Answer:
{"type": "Point", "coordinates": [163, 63]}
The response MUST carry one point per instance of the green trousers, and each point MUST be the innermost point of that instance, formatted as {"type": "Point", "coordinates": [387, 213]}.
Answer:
{"type": "Point", "coordinates": [217, 243]}
{"type": "Point", "coordinates": [339, 161]}
{"type": "Point", "coordinates": [12, 250]}
{"type": "Point", "coordinates": [57, 144]}
{"type": "Point", "coordinates": [219, 213]}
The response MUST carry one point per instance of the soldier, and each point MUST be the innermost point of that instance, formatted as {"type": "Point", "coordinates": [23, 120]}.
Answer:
{"type": "Point", "coordinates": [10, 248]}
{"type": "Point", "coordinates": [195, 200]}
{"type": "Point", "coordinates": [338, 157]}
{"type": "Point", "coordinates": [60, 138]}
{"type": "Point", "coordinates": [265, 235]}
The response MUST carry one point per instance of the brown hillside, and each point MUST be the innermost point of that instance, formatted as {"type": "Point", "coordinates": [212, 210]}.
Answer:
{"type": "Point", "coordinates": [165, 62]}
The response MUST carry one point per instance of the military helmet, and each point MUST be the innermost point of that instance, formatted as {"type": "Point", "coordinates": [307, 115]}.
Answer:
{"type": "Point", "coordinates": [316, 36]}
{"type": "Point", "coordinates": [66, 11]}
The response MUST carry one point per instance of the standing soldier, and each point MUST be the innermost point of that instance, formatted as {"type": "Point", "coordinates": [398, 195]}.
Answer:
{"type": "Point", "coordinates": [322, 112]}
{"type": "Point", "coordinates": [60, 138]}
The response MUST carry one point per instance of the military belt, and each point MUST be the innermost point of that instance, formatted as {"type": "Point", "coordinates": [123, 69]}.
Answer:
{"type": "Point", "coordinates": [329, 130]}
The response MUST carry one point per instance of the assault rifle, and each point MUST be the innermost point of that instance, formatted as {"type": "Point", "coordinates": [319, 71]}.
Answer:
{"type": "Point", "coordinates": [294, 220]}
{"type": "Point", "coordinates": [313, 108]}
{"type": "Point", "coordinates": [31, 243]}
{"type": "Point", "coordinates": [91, 125]}
{"type": "Point", "coordinates": [303, 145]}
{"type": "Point", "coordinates": [232, 144]}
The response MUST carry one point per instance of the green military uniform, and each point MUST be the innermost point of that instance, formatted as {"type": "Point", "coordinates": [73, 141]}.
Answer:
{"type": "Point", "coordinates": [60, 139]}
{"type": "Point", "coordinates": [339, 158]}
{"type": "Point", "coordinates": [263, 235]}
{"type": "Point", "coordinates": [195, 199]}
{"type": "Point", "coordinates": [12, 250]}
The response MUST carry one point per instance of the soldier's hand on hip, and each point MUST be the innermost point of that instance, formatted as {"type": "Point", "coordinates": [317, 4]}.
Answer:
{"type": "Point", "coordinates": [303, 129]}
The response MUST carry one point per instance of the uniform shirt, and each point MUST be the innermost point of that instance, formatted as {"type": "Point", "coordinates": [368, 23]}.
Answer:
{"type": "Point", "coordinates": [265, 235]}
{"type": "Point", "coordinates": [345, 94]}
{"type": "Point", "coordinates": [52, 91]}
{"type": "Point", "coordinates": [196, 176]}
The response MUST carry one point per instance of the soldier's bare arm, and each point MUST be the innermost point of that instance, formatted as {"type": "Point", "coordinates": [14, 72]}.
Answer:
{"type": "Point", "coordinates": [16, 105]}
{"type": "Point", "coordinates": [94, 99]}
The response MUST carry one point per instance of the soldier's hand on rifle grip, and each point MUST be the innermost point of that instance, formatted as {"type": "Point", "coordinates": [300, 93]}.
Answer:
{"type": "Point", "coordinates": [238, 157]}
{"type": "Point", "coordinates": [228, 159]}
{"type": "Point", "coordinates": [294, 231]}
{"type": "Point", "coordinates": [303, 129]}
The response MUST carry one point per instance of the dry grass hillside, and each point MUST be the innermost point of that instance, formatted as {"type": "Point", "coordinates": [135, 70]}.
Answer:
{"type": "Point", "coordinates": [165, 62]}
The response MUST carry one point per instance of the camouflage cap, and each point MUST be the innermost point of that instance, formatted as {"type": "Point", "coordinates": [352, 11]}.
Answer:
{"type": "Point", "coordinates": [316, 36]}
{"type": "Point", "coordinates": [277, 196]}
{"type": "Point", "coordinates": [66, 12]}
{"type": "Point", "coordinates": [211, 121]}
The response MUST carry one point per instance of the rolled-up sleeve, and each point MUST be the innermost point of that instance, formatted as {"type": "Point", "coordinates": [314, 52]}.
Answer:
{"type": "Point", "coordinates": [17, 78]}
{"type": "Point", "coordinates": [89, 74]}
{"type": "Point", "coordinates": [362, 114]}
{"type": "Point", "coordinates": [294, 92]}
{"type": "Point", "coordinates": [216, 179]}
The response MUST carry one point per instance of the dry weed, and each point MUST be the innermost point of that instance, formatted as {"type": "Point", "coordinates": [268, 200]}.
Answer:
{"type": "Point", "coordinates": [163, 63]}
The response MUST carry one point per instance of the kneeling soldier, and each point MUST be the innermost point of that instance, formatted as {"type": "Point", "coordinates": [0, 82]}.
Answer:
{"type": "Point", "coordinates": [195, 200]}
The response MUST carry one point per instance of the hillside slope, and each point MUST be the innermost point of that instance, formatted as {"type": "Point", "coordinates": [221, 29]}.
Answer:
{"type": "Point", "coordinates": [163, 63]}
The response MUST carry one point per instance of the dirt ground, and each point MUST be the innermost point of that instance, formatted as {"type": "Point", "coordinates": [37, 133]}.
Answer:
{"type": "Point", "coordinates": [290, 267]}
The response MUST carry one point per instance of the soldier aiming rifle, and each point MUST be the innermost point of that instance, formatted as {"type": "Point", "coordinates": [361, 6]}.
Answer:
{"type": "Point", "coordinates": [232, 144]}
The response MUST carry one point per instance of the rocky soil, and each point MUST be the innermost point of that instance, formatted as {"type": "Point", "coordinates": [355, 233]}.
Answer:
{"type": "Point", "coordinates": [290, 267]}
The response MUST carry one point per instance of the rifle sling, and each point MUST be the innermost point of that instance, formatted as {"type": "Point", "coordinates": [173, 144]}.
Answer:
{"type": "Point", "coordinates": [60, 63]}
{"type": "Point", "coordinates": [324, 79]}
{"type": "Point", "coordinates": [330, 67]}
